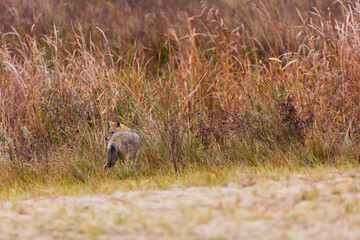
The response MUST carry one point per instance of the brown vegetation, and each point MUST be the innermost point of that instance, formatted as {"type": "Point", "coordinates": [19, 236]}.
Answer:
{"type": "Point", "coordinates": [261, 82]}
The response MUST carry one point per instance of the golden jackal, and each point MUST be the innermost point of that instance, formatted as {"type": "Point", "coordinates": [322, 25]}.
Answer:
{"type": "Point", "coordinates": [122, 144]}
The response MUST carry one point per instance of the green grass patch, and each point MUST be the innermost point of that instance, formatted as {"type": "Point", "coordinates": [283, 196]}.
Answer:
{"type": "Point", "coordinates": [108, 182]}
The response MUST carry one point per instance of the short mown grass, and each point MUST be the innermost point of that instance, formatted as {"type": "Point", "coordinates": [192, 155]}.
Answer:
{"type": "Point", "coordinates": [108, 182]}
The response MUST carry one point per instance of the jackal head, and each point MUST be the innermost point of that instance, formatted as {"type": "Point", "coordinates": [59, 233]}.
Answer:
{"type": "Point", "coordinates": [116, 127]}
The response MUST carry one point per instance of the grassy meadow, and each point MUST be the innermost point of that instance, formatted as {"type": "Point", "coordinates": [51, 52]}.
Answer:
{"type": "Point", "coordinates": [208, 86]}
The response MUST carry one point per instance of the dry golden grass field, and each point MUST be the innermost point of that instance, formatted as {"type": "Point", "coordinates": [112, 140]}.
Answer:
{"type": "Point", "coordinates": [248, 114]}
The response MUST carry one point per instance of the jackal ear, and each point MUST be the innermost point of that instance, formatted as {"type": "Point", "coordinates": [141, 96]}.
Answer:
{"type": "Point", "coordinates": [111, 123]}
{"type": "Point", "coordinates": [117, 124]}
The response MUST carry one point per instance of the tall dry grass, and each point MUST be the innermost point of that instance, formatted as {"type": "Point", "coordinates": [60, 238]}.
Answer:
{"type": "Point", "coordinates": [279, 89]}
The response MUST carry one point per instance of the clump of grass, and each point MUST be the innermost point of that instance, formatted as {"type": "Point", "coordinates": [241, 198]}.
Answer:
{"type": "Point", "coordinates": [310, 195]}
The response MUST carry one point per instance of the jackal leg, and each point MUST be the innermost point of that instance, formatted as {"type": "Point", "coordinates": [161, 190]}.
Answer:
{"type": "Point", "coordinates": [125, 160]}
{"type": "Point", "coordinates": [134, 157]}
